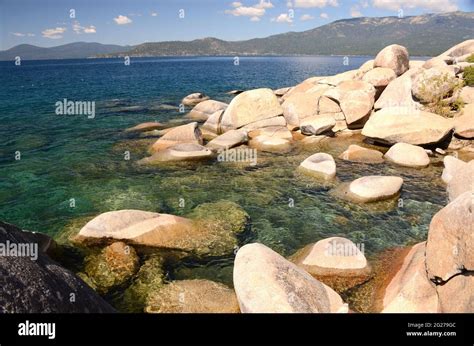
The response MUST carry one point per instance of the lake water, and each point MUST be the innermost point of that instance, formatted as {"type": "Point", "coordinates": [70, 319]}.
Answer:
{"type": "Point", "coordinates": [73, 157]}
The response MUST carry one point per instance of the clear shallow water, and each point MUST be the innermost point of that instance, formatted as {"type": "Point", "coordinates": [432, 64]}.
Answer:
{"type": "Point", "coordinates": [64, 157]}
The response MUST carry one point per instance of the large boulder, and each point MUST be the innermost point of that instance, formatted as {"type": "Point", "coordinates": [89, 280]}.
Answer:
{"type": "Point", "coordinates": [320, 165]}
{"type": "Point", "coordinates": [318, 124]}
{"type": "Point", "coordinates": [407, 155]}
{"type": "Point", "coordinates": [375, 188]}
{"type": "Point", "coordinates": [38, 284]}
{"type": "Point", "coordinates": [464, 124]}
{"type": "Point", "coordinates": [410, 291]}
{"type": "Point", "coordinates": [399, 124]}
{"type": "Point", "coordinates": [228, 140]}
{"type": "Point", "coordinates": [340, 78]}
{"type": "Point", "coordinates": [275, 121]}
{"type": "Point", "coordinates": [213, 123]}
{"type": "Point", "coordinates": [212, 230]}
{"type": "Point", "coordinates": [452, 165]}
{"type": "Point", "coordinates": [467, 94]}
{"type": "Point", "coordinates": [398, 92]}
{"type": "Point", "coordinates": [461, 49]}
{"type": "Point", "coordinates": [462, 180]}
{"type": "Point", "coordinates": [457, 295]}
{"type": "Point", "coordinates": [203, 110]}
{"type": "Point", "coordinates": [450, 243]}
{"type": "Point", "coordinates": [265, 282]}
{"type": "Point", "coordinates": [302, 105]}
{"type": "Point", "coordinates": [356, 153]}
{"type": "Point", "coordinates": [395, 57]}
{"type": "Point", "coordinates": [328, 105]}
{"type": "Point", "coordinates": [249, 107]}
{"type": "Point", "coordinates": [193, 99]}
{"type": "Point", "coordinates": [193, 296]}
{"type": "Point", "coordinates": [336, 261]}
{"type": "Point", "coordinates": [380, 77]}
{"type": "Point", "coordinates": [433, 84]}
{"type": "Point", "coordinates": [114, 266]}
{"type": "Point", "coordinates": [179, 152]}
{"type": "Point", "coordinates": [188, 133]}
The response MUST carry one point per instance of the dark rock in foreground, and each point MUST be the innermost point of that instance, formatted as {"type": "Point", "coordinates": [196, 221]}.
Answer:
{"type": "Point", "coordinates": [29, 285]}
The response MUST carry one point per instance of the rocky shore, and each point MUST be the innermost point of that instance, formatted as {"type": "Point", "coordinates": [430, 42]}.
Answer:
{"type": "Point", "coordinates": [408, 112]}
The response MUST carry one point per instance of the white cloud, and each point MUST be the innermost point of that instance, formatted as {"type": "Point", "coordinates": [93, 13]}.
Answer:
{"type": "Point", "coordinates": [283, 18]}
{"type": "Point", "coordinates": [30, 34]}
{"type": "Point", "coordinates": [154, 14]}
{"type": "Point", "coordinates": [432, 5]}
{"type": "Point", "coordinates": [54, 33]}
{"type": "Point", "coordinates": [79, 29]}
{"type": "Point", "coordinates": [355, 12]}
{"type": "Point", "coordinates": [324, 15]}
{"type": "Point", "coordinates": [122, 20]}
{"type": "Point", "coordinates": [364, 3]}
{"type": "Point", "coordinates": [315, 3]}
{"type": "Point", "coordinates": [19, 34]}
{"type": "Point", "coordinates": [306, 17]}
{"type": "Point", "coordinates": [256, 11]}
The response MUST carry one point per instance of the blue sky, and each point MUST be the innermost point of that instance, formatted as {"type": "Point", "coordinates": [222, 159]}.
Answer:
{"type": "Point", "coordinates": [48, 22]}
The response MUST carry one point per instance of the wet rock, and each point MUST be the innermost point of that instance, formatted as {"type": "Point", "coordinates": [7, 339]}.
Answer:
{"type": "Point", "coordinates": [319, 165]}
{"type": "Point", "coordinates": [407, 155]}
{"type": "Point", "coordinates": [357, 153]}
{"type": "Point", "coordinates": [375, 188]}
{"type": "Point", "coordinates": [179, 152]}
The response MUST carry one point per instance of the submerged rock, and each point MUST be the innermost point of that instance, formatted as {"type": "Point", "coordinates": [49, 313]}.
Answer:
{"type": "Point", "coordinates": [41, 285]}
{"type": "Point", "coordinates": [113, 267]}
{"type": "Point", "coordinates": [375, 188]}
{"type": "Point", "coordinates": [335, 261]}
{"type": "Point", "coordinates": [407, 155]}
{"type": "Point", "coordinates": [356, 153]}
{"type": "Point", "coordinates": [410, 291]}
{"type": "Point", "coordinates": [265, 282]}
{"type": "Point", "coordinates": [193, 296]}
{"type": "Point", "coordinates": [179, 152]}
{"type": "Point", "coordinates": [319, 165]}
{"type": "Point", "coordinates": [144, 127]}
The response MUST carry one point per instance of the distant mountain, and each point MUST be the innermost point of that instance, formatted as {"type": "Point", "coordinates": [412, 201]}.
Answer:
{"type": "Point", "coordinates": [76, 50]}
{"type": "Point", "coordinates": [428, 34]}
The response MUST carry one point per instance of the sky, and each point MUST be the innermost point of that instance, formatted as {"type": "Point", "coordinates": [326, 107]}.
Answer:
{"type": "Point", "coordinates": [49, 23]}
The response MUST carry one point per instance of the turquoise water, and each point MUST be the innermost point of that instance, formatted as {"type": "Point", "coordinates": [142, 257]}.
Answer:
{"type": "Point", "coordinates": [64, 157]}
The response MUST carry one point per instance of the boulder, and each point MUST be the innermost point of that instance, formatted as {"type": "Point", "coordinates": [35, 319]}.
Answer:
{"type": "Point", "coordinates": [203, 110]}
{"type": "Point", "coordinates": [410, 291]}
{"type": "Point", "coordinates": [379, 77]}
{"type": "Point", "coordinates": [339, 92]}
{"type": "Point", "coordinates": [272, 131]}
{"type": "Point", "coordinates": [228, 140]}
{"type": "Point", "coordinates": [281, 91]}
{"type": "Point", "coordinates": [335, 261]}
{"type": "Point", "coordinates": [457, 295]}
{"type": "Point", "coordinates": [395, 57]}
{"type": "Point", "coordinates": [367, 66]}
{"type": "Point", "coordinates": [250, 106]}
{"type": "Point", "coordinates": [275, 121]}
{"type": "Point", "coordinates": [188, 133]}
{"type": "Point", "coordinates": [316, 125]}
{"type": "Point", "coordinates": [213, 123]}
{"type": "Point", "coordinates": [356, 106]}
{"type": "Point", "coordinates": [319, 165]}
{"type": "Point", "coordinates": [407, 155]}
{"type": "Point", "coordinates": [300, 88]}
{"type": "Point", "coordinates": [464, 124]}
{"type": "Point", "coordinates": [433, 84]}
{"type": "Point", "coordinates": [265, 282]}
{"type": "Point", "coordinates": [212, 230]}
{"type": "Point", "coordinates": [193, 296]}
{"type": "Point", "coordinates": [114, 266]}
{"type": "Point", "coordinates": [399, 124]}
{"type": "Point", "coordinates": [301, 105]}
{"type": "Point", "coordinates": [451, 166]}
{"type": "Point", "coordinates": [179, 152]}
{"type": "Point", "coordinates": [463, 48]}
{"type": "Point", "coordinates": [340, 78]}
{"type": "Point", "coordinates": [416, 64]}
{"type": "Point", "coordinates": [270, 143]}
{"type": "Point", "coordinates": [461, 181]}
{"type": "Point", "coordinates": [398, 93]}
{"type": "Point", "coordinates": [467, 94]}
{"type": "Point", "coordinates": [144, 127]}
{"type": "Point", "coordinates": [435, 62]}
{"type": "Point", "coordinates": [194, 99]}
{"type": "Point", "coordinates": [450, 243]}
{"type": "Point", "coordinates": [327, 105]}
{"type": "Point", "coordinates": [357, 153]}
{"type": "Point", "coordinates": [38, 284]}
{"type": "Point", "coordinates": [375, 188]}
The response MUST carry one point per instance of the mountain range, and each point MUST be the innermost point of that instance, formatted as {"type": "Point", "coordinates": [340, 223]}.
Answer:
{"type": "Point", "coordinates": [424, 35]}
